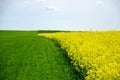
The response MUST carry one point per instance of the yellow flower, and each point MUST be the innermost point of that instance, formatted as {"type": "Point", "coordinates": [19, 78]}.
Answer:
{"type": "Point", "coordinates": [98, 52]}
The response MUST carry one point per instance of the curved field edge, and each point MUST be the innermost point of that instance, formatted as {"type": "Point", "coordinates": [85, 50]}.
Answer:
{"type": "Point", "coordinates": [94, 54]}
{"type": "Point", "coordinates": [25, 56]}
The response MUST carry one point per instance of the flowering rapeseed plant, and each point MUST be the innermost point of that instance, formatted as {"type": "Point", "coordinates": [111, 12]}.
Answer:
{"type": "Point", "coordinates": [97, 52]}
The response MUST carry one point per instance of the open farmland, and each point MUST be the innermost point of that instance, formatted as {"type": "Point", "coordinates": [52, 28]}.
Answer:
{"type": "Point", "coordinates": [26, 56]}
{"type": "Point", "coordinates": [95, 55]}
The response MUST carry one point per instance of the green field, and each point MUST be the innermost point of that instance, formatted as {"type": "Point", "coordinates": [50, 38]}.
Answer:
{"type": "Point", "coordinates": [26, 56]}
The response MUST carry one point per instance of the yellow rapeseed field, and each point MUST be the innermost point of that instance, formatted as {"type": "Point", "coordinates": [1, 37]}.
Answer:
{"type": "Point", "coordinates": [96, 55]}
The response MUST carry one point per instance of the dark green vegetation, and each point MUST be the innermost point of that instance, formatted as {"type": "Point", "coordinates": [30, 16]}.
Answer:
{"type": "Point", "coordinates": [48, 31]}
{"type": "Point", "coordinates": [26, 56]}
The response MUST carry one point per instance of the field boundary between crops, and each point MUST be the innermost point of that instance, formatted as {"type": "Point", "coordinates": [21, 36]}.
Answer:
{"type": "Point", "coordinates": [82, 73]}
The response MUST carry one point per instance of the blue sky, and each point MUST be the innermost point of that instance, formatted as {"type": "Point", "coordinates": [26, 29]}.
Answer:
{"type": "Point", "coordinates": [60, 14]}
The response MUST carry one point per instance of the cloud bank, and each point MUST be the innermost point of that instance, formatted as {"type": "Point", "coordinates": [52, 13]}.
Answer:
{"type": "Point", "coordinates": [56, 14]}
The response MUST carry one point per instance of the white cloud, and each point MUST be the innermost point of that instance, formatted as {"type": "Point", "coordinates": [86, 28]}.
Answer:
{"type": "Point", "coordinates": [39, 1]}
{"type": "Point", "coordinates": [51, 8]}
{"type": "Point", "coordinates": [44, 4]}
{"type": "Point", "coordinates": [99, 2]}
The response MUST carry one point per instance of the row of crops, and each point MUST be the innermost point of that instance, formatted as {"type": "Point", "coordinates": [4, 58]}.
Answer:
{"type": "Point", "coordinates": [95, 55]}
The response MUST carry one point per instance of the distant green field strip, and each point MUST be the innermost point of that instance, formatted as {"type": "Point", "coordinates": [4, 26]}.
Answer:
{"type": "Point", "coordinates": [25, 56]}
